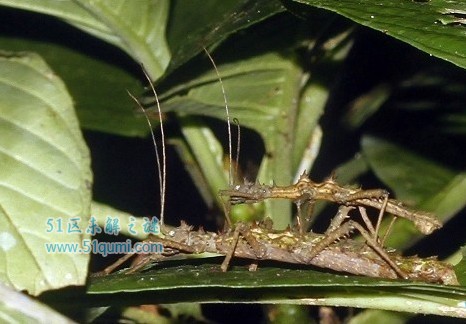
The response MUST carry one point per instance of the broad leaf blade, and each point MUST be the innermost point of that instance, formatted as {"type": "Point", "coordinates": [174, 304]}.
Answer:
{"type": "Point", "coordinates": [416, 181]}
{"type": "Point", "coordinates": [97, 87]}
{"type": "Point", "coordinates": [254, 88]}
{"type": "Point", "coordinates": [433, 26]}
{"type": "Point", "coordinates": [45, 174]}
{"type": "Point", "coordinates": [136, 27]}
{"type": "Point", "coordinates": [206, 283]}
{"type": "Point", "coordinates": [260, 90]}
{"type": "Point", "coordinates": [219, 19]}
{"type": "Point", "coordinates": [206, 148]}
{"type": "Point", "coordinates": [412, 177]}
{"type": "Point", "coordinates": [16, 307]}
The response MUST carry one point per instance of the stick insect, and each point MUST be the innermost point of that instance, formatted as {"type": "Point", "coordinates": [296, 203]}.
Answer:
{"type": "Point", "coordinates": [332, 250]}
{"type": "Point", "coordinates": [305, 190]}
{"type": "Point", "coordinates": [259, 242]}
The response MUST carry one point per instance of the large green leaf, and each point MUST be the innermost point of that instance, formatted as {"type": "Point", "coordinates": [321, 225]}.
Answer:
{"type": "Point", "coordinates": [206, 283]}
{"type": "Point", "coordinates": [93, 82]}
{"type": "Point", "coordinates": [254, 87]}
{"type": "Point", "coordinates": [197, 136]}
{"type": "Point", "coordinates": [436, 26]}
{"type": "Point", "coordinates": [98, 87]}
{"type": "Point", "coordinates": [45, 177]}
{"type": "Point", "coordinates": [137, 27]}
{"type": "Point", "coordinates": [261, 90]}
{"type": "Point", "coordinates": [16, 307]}
{"type": "Point", "coordinates": [219, 19]}
{"type": "Point", "coordinates": [417, 181]}
{"type": "Point", "coordinates": [412, 177]}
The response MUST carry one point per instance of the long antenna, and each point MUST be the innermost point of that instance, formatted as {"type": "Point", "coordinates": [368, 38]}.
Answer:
{"type": "Point", "coordinates": [230, 150]}
{"type": "Point", "coordinates": [238, 143]}
{"type": "Point", "coordinates": [161, 168]}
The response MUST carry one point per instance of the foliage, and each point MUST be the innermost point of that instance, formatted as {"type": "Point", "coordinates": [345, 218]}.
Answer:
{"type": "Point", "coordinates": [322, 84]}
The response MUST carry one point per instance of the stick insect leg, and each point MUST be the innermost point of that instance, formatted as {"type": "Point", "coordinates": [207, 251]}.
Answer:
{"type": "Point", "coordinates": [389, 229]}
{"type": "Point", "coordinates": [175, 248]}
{"type": "Point", "coordinates": [304, 214]}
{"type": "Point", "coordinates": [381, 213]}
{"type": "Point", "coordinates": [113, 266]}
{"type": "Point", "coordinates": [377, 248]}
{"type": "Point", "coordinates": [141, 261]}
{"type": "Point", "coordinates": [371, 194]}
{"type": "Point", "coordinates": [232, 249]}
{"type": "Point", "coordinates": [226, 210]}
{"type": "Point", "coordinates": [337, 230]}
{"type": "Point", "coordinates": [367, 221]}
{"type": "Point", "coordinates": [244, 231]}
{"type": "Point", "coordinates": [351, 225]}
{"type": "Point", "coordinates": [299, 217]}
{"type": "Point", "coordinates": [338, 219]}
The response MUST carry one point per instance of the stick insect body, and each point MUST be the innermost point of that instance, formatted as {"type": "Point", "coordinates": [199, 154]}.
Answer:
{"type": "Point", "coordinates": [305, 190]}
{"type": "Point", "coordinates": [258, 242]}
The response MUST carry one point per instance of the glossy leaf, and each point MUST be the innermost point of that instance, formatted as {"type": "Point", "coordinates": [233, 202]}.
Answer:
{"type": "Point", "coordinates": [136, 27]}
{"type": "Point", "coordinates": [97, 87]}
{"type": "Point", "coordinates": [412, 177]}
{"type": "Point", "coordinates": [254, 91]}
{"type": "Point", "coordinates": [45, 177]}
{"type": "Point", "coordinates": [16, 307]}
{"type": "Point", "coordinates": [218, 22]}
{"type": "Point", "coordinates": [260, 92]}
{"type": "Point", "coordinates": [197, 136]}
{"type": "Point", "coordinates": [432, 26]}
{"type": "Point", "coordinates": [206, 283]}
{"type": "Point", "coordinates": [417, 181]}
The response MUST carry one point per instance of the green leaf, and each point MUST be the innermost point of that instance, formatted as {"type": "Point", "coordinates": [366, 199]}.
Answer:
{"type": "Point", "coordinates": [194, 170]}
{"type": "Point", "coordinates": [219, 19]}
{"type": "Point", "coordinates": [16, 307]}
{"type": "Point", "coordinates": [419, 23]}
{"type": "Point", "coordinates": [416, 181]}
{"type": "Point", "coordinates": [366, 105]}
{"type": "Point", "coordinates": [197, 136]}
{"type": "Point", "coordinates": [254, 88]}
{"type": "Point", "coordinates": [136, 27]}
{"type": "Point", "coordinates": [460, 268]}
{"type": "Point", "coordinates": [261, 90]}
{"type": "Point", "coordinates": [412, 177]}
{"type": "Point", "coordinates": [285, 313]}
{"type": "Point", "coordinates": [45, 177]}
{"type": "Point", "coordinates": [206, 283]}
{"type": "Point", "coordinates": [91, 82]}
